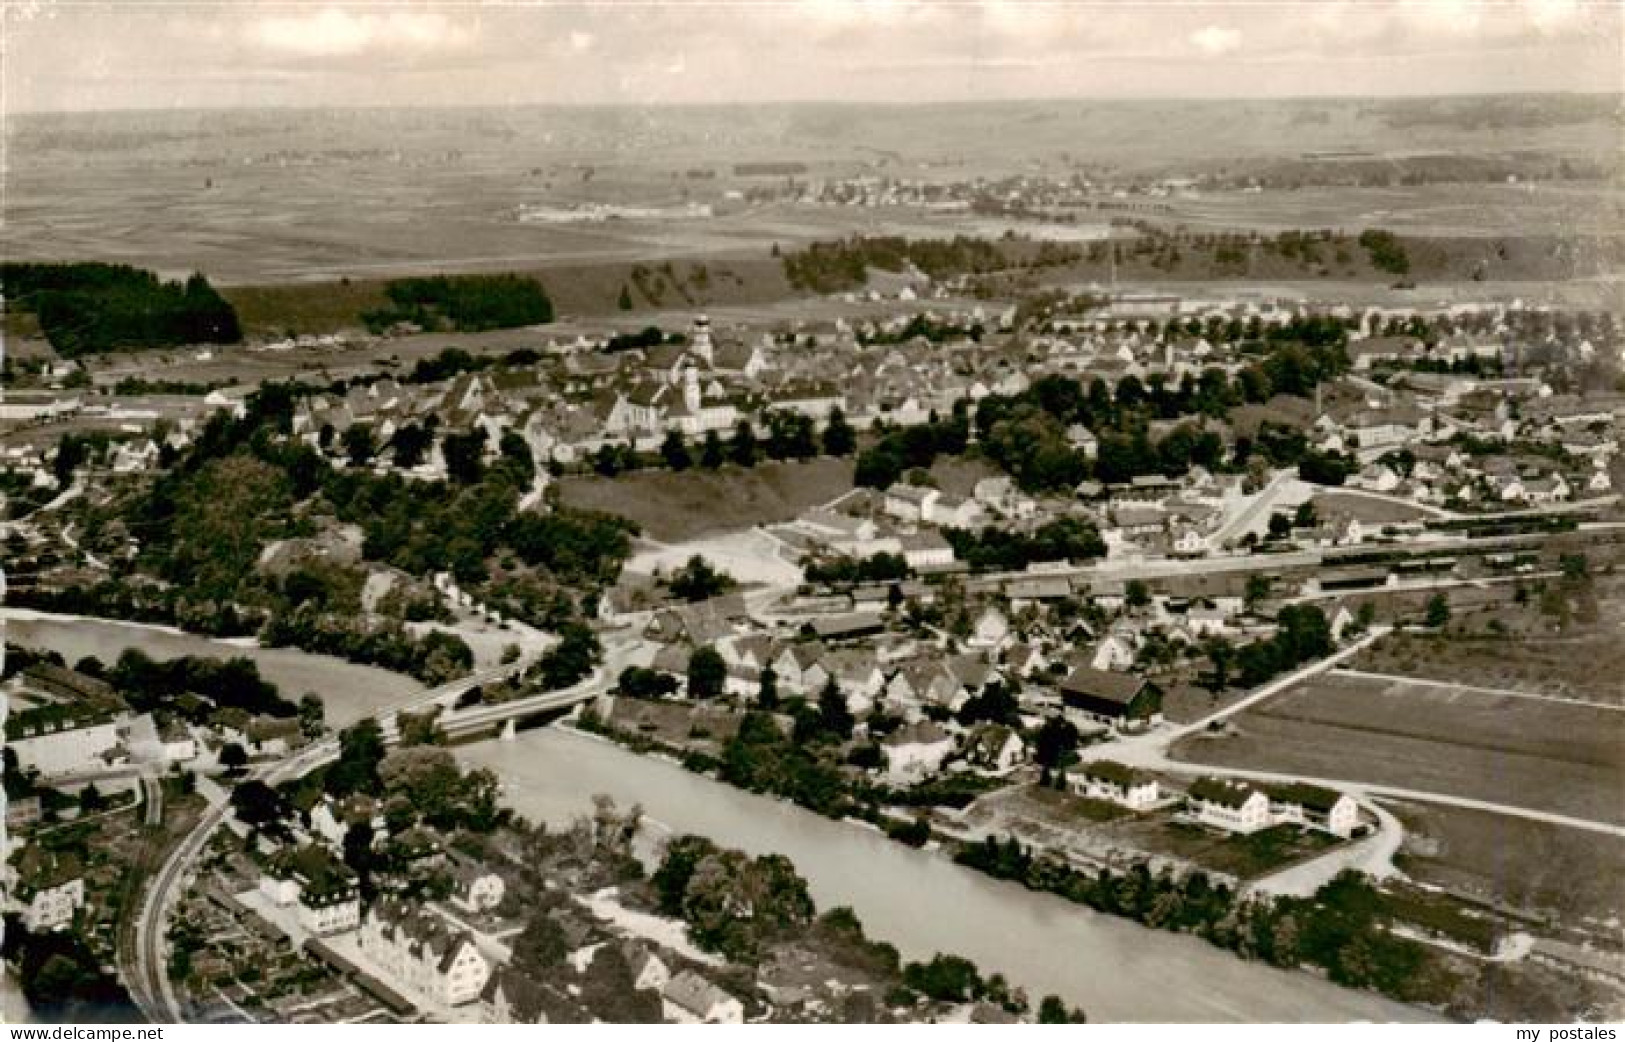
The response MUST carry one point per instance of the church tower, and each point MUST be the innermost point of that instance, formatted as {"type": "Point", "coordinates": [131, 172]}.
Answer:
{"type": "Point", "coordinates": [699, 340]}
{"type": "Point", "coordinates": [691, 389]}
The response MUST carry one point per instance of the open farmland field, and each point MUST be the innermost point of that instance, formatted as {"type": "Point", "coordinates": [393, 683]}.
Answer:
{"type": "Point", "coordinates": [1525, 865]}
{"type": "Point", "coordinates": [590, 288]}
{"type": "Point", "coordinates": [1365, 509]}
{"type": "Point", "coordinates": [263, 197]}
{"type": "Point", "coordinates": [1523, 752]}
{"type": "Point", "coordinates": [680, 506]}
{"type": "Point", "coordinates": [1449, 210]}
{"type": "Point", "coordinates": [1588, 665]}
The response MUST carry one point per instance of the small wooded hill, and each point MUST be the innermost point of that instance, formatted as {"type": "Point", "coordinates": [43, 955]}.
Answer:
{"type": "Point", "coordinates": [593, 289]}
{"type": "Point", "coordinates": [92, 308]}
{"type": "Point", "coordinates": [1155, 253]}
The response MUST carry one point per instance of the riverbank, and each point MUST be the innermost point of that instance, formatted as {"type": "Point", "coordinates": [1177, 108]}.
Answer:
{"type": "Point", "coordinates": [348, 691]}
{"type": "Point", "coordinates": [924, 903]}
{"type": "Point", "coordinates": [1322, 934]}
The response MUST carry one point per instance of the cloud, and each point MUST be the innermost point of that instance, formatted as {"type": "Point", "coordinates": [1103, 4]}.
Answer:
{"type": "Point", "coordinates": [1216, 40]}
{"type": "Point", "coordinates": [333, 32]}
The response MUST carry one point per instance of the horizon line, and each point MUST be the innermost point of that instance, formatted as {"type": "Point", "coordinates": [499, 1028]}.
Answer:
{"type": "Point", "coordinates": [831, 102]}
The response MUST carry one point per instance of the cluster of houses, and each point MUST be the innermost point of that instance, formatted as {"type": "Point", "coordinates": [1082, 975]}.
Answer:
{"type": "Point", "coordinates": [69, 727]}
{"type": "Point", "coordinates": [1015, 637]}
{"type": "Point", "coordinates": [1528, 446]}
{"type": "Point", "coordinates": [449, 957]}
{"type": "Point", "coordinates": [68, 730]}
{"type": "Point", "coordinates": [1225, 804]}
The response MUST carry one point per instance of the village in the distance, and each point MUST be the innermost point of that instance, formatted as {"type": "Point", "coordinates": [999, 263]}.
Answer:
{"type": "Point", "coordinates": [742, 567]}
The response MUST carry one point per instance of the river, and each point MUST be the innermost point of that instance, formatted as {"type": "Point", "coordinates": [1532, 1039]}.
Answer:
{"type": "Point", "coordinates": [348, 691]}
{"type": "Point", "coordinates": [1116, 970]}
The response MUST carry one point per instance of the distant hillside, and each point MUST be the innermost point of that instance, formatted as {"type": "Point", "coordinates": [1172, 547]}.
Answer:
{"type": "Point", "coordinates": [1118, 131]}
{"type": "Point", "coordinates": [575, 289]}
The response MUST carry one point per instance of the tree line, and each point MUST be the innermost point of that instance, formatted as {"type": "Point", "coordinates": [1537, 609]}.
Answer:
{"type": "Point", "coordinates": [94, 308]}
{"type": "Point", "coordinates": [830, 267]}
{"type": "Point", "coordinates": [462, 303]}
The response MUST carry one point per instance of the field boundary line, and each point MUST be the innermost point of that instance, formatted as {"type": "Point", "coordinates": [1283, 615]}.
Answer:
{"type": "Point", "coordinates": [1341, 671]}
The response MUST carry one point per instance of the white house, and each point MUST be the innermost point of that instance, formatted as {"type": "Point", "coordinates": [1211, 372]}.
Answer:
{"type": "Point", "coordinates": [324, 888]}
{"type": "Point", "coordinates": [49, 889]}
{"type": "Point", "coordinates": [994, 748]}
{"type": "Point", "coordinates": [1229, 805]}
{"type": "Point", "coordinates": [421, 953]}
{"type": "Point", "coordinates": [689, 998]}
{"type": "Point", "coordinates": [1312, 806]}
{"type": "Point", "coordinates": [991, 629]}
{"type": "Point", "coordinates": [916, 751]}
{"type": "Point", "coordinates": [1203, 621]}
{"type": "Point", "coordinates": [331, 819]}
{"type": "Point", "coordinates": [177, 743]}
{"type": "Point", "coordinates": [1114, 653]}
{"type": "Point", "coordinates": [927, 550]}
{"type": "Point", "coordinates": [475, 888]}
{"type": "Point", "coordinates": [648, 971]}
{"type": "Point", "coordinates": [910, 502]}
{"type": "Point", "coordinates": [1116, 783]}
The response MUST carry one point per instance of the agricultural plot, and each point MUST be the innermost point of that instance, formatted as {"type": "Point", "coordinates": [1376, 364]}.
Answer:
{"type": "Point", "coordinates": [1585, 665]}
{"type": "Point", "coordinates": [676, 507]}
{"type": "Point", "coordinates": [1523, 865]}
{"type": "Point", "coordinates": [1369, 510]}
{"type": "Point", "coordinates": [1523, 752]}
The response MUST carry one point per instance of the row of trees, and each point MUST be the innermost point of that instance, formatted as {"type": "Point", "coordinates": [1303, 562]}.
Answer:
{"type": "Point", "coordinates": [1343, 929]}
{"type": "Point", "coordinates": [147, 683]}
{"type": "Point", "coordinates": [434, 657]}
{"type": "Point", "coordinates": [829, 267]}
{"type": "Point", "coordinates": [790, 436]}
{"type": "Point", "coordinates": [740, 907]}
{"type": "Point", "coordinates": [1002, 549]}
{"type": "Point", "coordinates": [463, 303]}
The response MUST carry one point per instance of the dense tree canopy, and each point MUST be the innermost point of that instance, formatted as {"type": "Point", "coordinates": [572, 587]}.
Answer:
{"type": "Point", "coordinates": [94, 308]}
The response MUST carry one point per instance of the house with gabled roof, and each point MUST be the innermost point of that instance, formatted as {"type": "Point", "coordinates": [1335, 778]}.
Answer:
{"type": "Point", "coordinates": [994, 748]}
{"type": "Point", "coordinates": [990, 630]}
{"type": "Point", "coordinates": [326, 891]}
{"type": "Point", "coordinates": [475, 888]}
{"type": "Point", "coordinates": [512, 996]}
{"type": "Point", "coordinates": [1117, 783]}
{"type": "Point", "coordinates": [422, 953]}
{"type": "Point", "coordinates": [1314, 806]}
{"type": "Point", "coordinates": [48, 887]}
{"type": "Point", "coordinates": [688, 998]}
{"type": "Point", "coordinates": [916, 751]}
{"type": "Point", "coordinates": [1119, 699]}
{"type": "Point", "coordinates": [1233, 806]}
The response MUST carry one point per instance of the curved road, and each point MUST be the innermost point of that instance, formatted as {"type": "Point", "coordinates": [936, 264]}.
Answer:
{"type": "Point", "coordinates": [1150, 751]}
{"type": "Point", "coordinates": [149, 977]}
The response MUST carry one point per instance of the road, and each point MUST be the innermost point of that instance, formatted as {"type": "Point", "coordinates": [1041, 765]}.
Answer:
{"type": "Point", "coordinates": [1254, 517]}
{"type": "Point", "coordinates": [1374, 855]}
{"type": "Point", "coordinates": [148, 978]}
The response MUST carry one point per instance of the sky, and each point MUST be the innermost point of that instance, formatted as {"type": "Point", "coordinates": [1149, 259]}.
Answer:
{"type": "Point", "coordinates": [74, 55]}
